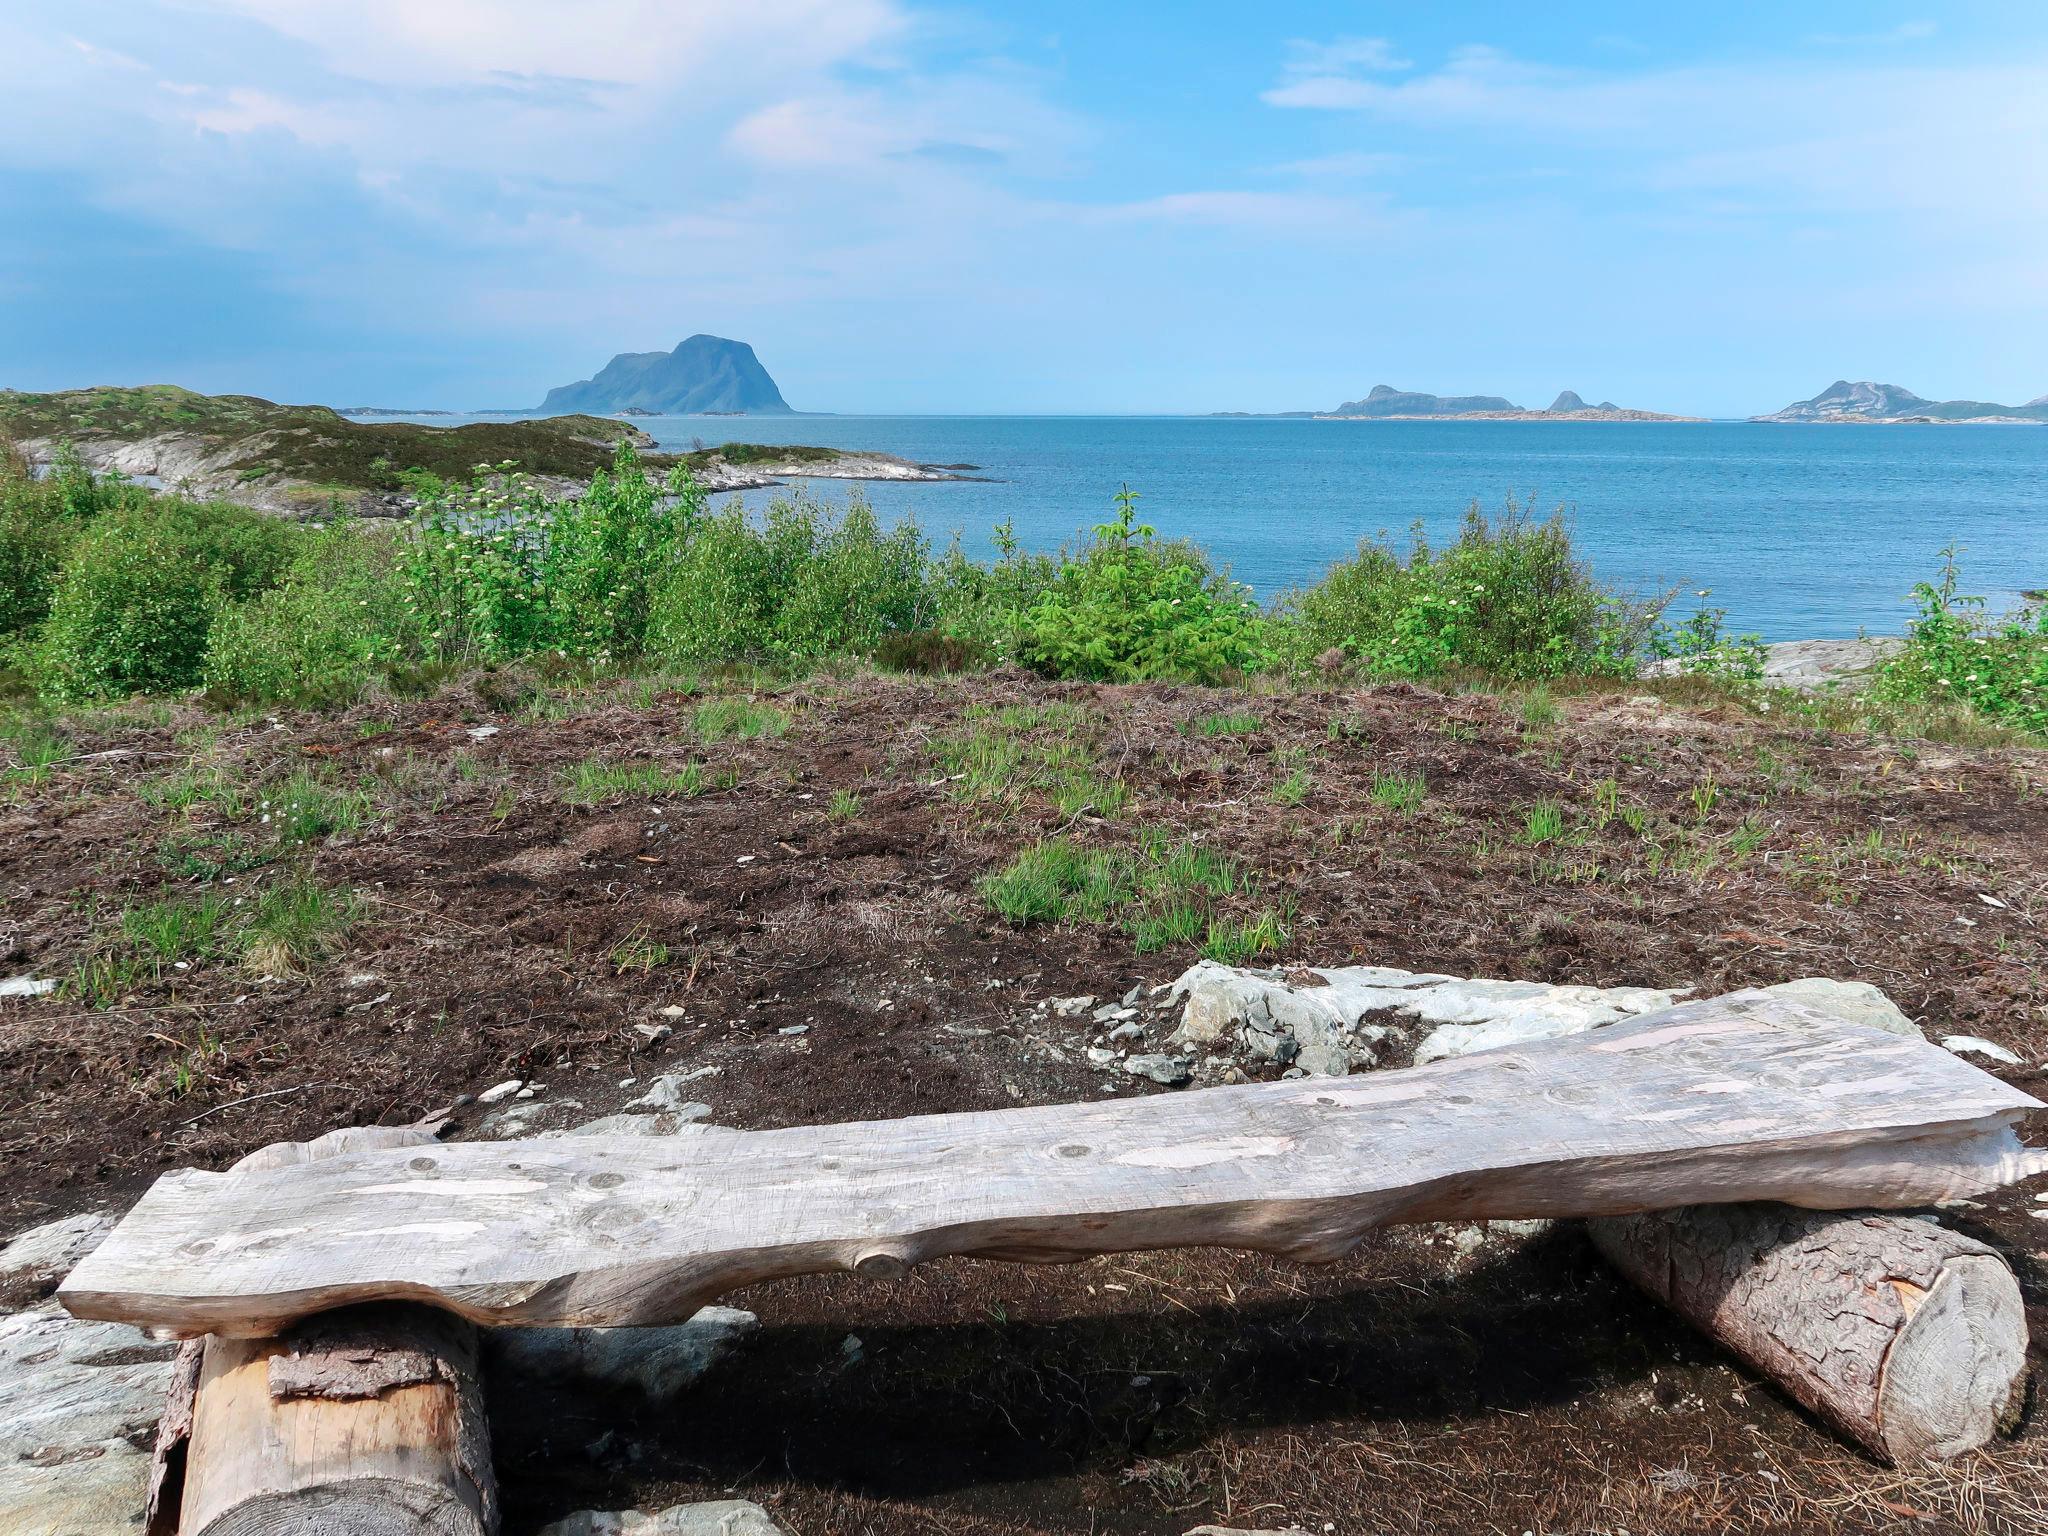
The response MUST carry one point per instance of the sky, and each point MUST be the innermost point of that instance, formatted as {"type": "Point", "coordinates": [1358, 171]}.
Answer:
{"type": "Point", "coordinates": [1028, 205]}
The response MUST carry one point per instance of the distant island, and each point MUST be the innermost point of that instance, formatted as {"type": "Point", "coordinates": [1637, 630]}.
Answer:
{"type": "Point", "coordinates": [704, 376]}
{"type": "Point", "coordinates": [1864, 402]}
{"type": "Point", "coordinates": [1386, 403]}
{"type": "Point", "coordinates": [305, 460]}
{"type": "Point", "coordinates": [387, 410]}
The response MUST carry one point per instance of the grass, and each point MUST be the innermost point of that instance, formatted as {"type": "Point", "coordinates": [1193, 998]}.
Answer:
{"type": "Point", "coordinates": [1168, 893]}
{"type": "Point", "coordinates": [637, 952]}
{"type": "Point", "coordinates": [738, 719]}
{"type": "Point", "coordinates": [844, 806]}
{"type": "Point", "coordinates": [1230, 723]}
{"type": "Point", "coordinates": [595, 781]}
{"type": "Point", "coordinates": [306, 809]}
{"type": "Point", "coordinates": [37, 751]}
{"type": "Point", "coordinates": [1009, 754]}
{"type": "Point", "coordinates": [294, 925]}
{"type": "Point", "coordinates": [177, 929]}
{"type": "Point", "coordinates": [1401, 792]}
{"type": "Point", "coordinates": [1543, 823]}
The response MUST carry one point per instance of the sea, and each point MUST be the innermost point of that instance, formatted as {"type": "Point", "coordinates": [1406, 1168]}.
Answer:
{"type": "Point", "coordinates": [1797, 531]}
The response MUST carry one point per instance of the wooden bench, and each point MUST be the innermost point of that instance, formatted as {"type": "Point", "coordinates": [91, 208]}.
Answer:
{"type": "Point", "coordinates": [1746, 1098]}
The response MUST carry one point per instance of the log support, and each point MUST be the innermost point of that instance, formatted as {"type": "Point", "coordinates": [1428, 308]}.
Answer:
{"type": "Point", "coordinates": [1906, 1337]}
{"type": "Point", "coordinates": [367, 1421]}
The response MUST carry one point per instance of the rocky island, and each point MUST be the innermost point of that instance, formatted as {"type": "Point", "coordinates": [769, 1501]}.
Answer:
{"type": "Point", "coordinates": [1865, 402]}
{"type": "Point", "coordinates": [703, 376]}
{"type": "Point", "coordinates": [305, 460]}
{"type": "Point", "coordinates": [1386, 403]}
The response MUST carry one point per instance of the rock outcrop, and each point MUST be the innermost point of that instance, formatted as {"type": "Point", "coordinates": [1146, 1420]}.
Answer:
{"type": "Point", "coordinates": [704, 373]}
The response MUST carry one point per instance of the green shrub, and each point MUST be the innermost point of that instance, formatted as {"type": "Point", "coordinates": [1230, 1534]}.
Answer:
{"type": "Point", "coordinates": [1701, 647]}
{"type": "Point", "coordinates": [141, 587]}
{"type": "Point", "coordinates": [1133, 608]}
{"type": "Point", "coordinates": [800, 585]}
{"type": "Point", "coordinates": [336, 623]}
{"type": "Point", "coordinates": [496, 569]}
{"type": "Point", "coordinates": [1508, 598]}
{"type": "Point", "coordinates": [1954, 652]}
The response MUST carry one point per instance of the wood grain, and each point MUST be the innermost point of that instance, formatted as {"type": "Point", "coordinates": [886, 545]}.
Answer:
{"type": "Point", "coordinates": [1744, 1097]}
{"type": "Point", "coordinates": [1907, 1337]}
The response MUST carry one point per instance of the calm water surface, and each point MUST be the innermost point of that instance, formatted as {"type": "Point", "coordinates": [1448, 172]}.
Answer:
{"type": "Point", "coordinates": [1798, 531]}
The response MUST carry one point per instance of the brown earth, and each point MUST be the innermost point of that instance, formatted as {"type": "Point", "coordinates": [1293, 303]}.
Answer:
{"type": "Point", "coordinates": [1425, 1385]}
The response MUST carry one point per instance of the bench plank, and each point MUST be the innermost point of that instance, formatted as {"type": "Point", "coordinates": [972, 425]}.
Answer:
{"type": "Point", "coordinates": [1745, 1097]}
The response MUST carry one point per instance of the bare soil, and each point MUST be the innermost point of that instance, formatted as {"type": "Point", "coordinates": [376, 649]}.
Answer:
{"type": "Point", "coordinates": [1427, 1384]}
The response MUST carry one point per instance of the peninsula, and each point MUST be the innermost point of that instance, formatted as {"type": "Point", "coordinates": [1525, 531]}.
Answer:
{"type": "Point", "coordinates": [306, 460]}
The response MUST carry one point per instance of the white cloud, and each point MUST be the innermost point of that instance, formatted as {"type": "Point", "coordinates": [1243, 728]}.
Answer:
{"type": "Point", "coordinates": [655, 43]}
{"type": "Point", "coordinates": [1329, 75]}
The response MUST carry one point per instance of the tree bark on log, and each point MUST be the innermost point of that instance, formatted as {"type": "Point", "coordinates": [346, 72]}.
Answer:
{"type": "Point", "coordinates": [1908, 1338]}
{"type": "Point", "coordinates": [369, 1420]}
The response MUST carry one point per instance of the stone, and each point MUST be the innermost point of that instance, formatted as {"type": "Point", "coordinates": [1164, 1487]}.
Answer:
{"type": "Point", "coordinates": [666, 1095]}
{"type": "Point", "coordinates": [721, 1517]}
{"type": "Point", "coordinates": [37, 1259]}
{"type": "Point", "coordinates": [658, 1362]}
{"type": "Point", "coordinates": [1169, 1071]}
{"type": "Point", "coordinates": [78, 1406]}
{"type": "Point", "coordinates": [27, 986]}
{"type": "Point", "coordinates": [1857, 1001]}
{"type": "Point", "coordinates": [1071, 1007]}
{"type": "Point", "coordinates": [1101, 1055]}
{"type": "Point", "coordinates": [1233, 1530]}
{"type": "Point", "coordinates": [1977, 1045]}
{"type": "Point", "coordinates": [1129, 1030]}
{"type": "Point", "coordinates": [498, 1092]}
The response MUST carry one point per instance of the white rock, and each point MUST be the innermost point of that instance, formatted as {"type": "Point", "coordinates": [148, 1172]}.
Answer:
{"type": "Point", "coordinates": [75, 1398]}
{"type": "Point", "coordinates": [1977, 1045]}
{"type": "Point", "coordinates": [42, 1256]}
{"type": "Point", "coordinates": [723, 1517]}
{"type": "Point", "coordinates": [27, 986]}
{"type": "Point", "coordinates": [498, 1092]}
{"type": "Point", "coordinates": [1072, 1007]}
{"type": "Point", "coordinates": [482, 732]}
{"type": "Point", "coordinates": [1317, 1026]}
{"type": "Point", "coordinates": [659, 1362]}
{"type": "Point", "coordinates": [1857, 1001]}
{"type": "Point", "coordinates": [666, 1096]}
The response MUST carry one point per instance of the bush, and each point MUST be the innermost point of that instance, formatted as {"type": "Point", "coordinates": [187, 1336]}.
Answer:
{"type": "Point", "coordinates": [1955, 652]}
{"type": "Point", "coordinates": [1133, 608]}
{"type": "Point", "coordinates": [38, 521]}
{"type": "Point", "coordinates": [799, 586]}
{"type": "Point", "coordinates": [1507, 598]}
{"type": "Point", "coordinates": [336, 623]}
{"type": "Point", "coordinates": [1702, 648]}
{"type": "Point", "coordinates": [141, 587]}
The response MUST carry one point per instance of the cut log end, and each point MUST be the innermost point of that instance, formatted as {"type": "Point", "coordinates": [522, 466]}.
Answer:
{"type": "Point", "coordinates": [364, 1507]}
{"type": "Point", "coordinates": [1955, 1375]}
{"type": "Point", "coordinates": [1905, 1336]}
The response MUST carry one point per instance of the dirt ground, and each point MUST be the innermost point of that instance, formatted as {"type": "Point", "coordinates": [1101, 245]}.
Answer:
{"type": "Point", "coordinates": [829, 877]}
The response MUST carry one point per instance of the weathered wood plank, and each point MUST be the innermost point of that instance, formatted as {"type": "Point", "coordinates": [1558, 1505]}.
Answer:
{"type": "Point", "coordinates": [1737, 1098]}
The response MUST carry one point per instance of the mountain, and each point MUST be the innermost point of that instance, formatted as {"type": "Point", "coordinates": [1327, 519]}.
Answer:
{"type": "Point", "coordinates": [1385, 400]}
{"type": "Point", "coordinates": [1569, 401]}
{"type": "Point", "coordinates": [703, 374]}
{"type": "Point", "coordinates": [1843, 401]}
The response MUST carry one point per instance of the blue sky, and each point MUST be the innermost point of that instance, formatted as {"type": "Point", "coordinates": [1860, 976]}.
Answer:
{"type": "Point", "coordinates": [1027, 207]}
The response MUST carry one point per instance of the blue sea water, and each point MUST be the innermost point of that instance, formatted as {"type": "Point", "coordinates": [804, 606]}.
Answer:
{"type": "Point", "coordinates": [1798, 531]}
